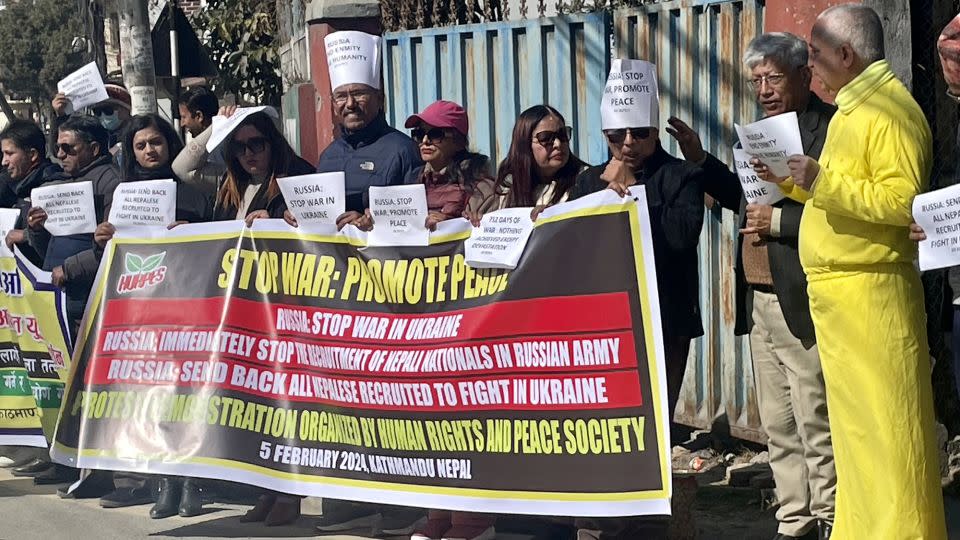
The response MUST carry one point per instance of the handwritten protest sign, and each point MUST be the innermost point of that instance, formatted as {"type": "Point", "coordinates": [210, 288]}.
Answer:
{"type": "Point", "coordinates": [147, 203]}
{"type": "Point", "coordinates": [83, 87]}
{"type": "Point", "coordinates": [500, 239]}
{"type": "Point", "coordinates": [772, 140]}
{"type": "Point", "coordinates": [399, 216]}
{"type": "Point", "coordinates": [755, 190]}
{"type": "Point", "coordinates": [69, 207]}
{"type": "Point", "coordinates": [315, 198]}
{"type": "Point", "coordinates": [938, 212]}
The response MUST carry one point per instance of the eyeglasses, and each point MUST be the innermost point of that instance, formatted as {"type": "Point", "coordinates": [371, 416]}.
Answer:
{"type": "Point", "coordinates": [547, 138]}
{"type": "Point", "coordinates": [103, 111]}
{"type": "Point", "coordinates": [68, 149]}
{"type": "Point", "coordinates": [434, 135]}
{"type": "Point", "coordinates": [255, 145]}
{"type": "Point", "coordinates": [359, 96]}
{"type": "Point", "coordinates": [773, 79]}
{"type": "Point", "coordinates": [617, 136]}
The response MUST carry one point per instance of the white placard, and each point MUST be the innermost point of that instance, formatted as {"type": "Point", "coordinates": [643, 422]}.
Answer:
{"type": "Point", "coordinates": [145, 203]}
{"type": "Point", "coordinates": [399, 216]}
{"type": "Point", "coordinates": [500, 239]}
{"type": "Point", "coordinates": [772, 140]}
{"type": "Point", "coordinates": [223, 127]}
{"type": "Point", "coordinates": [938, 212]}
{"type": "Point", "coordinates": [631, 98]}
{"type": "Point", "coordinates": [315, 198]}
{"type": "Point", "coordinates": [755, 190]}
{"type": "Point", "coordinates": [69, 207]}
{"type": "Point", "coordinates": [8, 221]}
{"type": "Point", "coordinates": [353, 58]}
{"type": "Point", "coordinates": [83, 87]}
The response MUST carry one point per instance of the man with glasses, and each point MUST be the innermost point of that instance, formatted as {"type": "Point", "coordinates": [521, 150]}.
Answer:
{"type": "Point", "coordinates": [368, 151]}
{"type": "Point", "coordinates": [772, 303]}
{"type": "Point", "coordinates": [112, 113]}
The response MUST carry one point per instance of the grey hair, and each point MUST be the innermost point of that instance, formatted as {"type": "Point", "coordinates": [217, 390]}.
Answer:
{"type": "Point", "coordinates": [857, 25]}
{"type": "Point", "coordinates": [782, 48]}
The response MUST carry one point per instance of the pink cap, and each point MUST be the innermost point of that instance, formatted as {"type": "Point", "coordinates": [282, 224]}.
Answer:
{"type": "Point", "coordinates": [441, 114]}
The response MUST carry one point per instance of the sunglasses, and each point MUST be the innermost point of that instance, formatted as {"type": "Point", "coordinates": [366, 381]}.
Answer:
{"type": "Point", "coordinates": [255, 145]}
{"type": "Point", "coordinates": [103, 111]}
{"type": "Point", "coordinates": [68, 149]}
{"type": "Point", "coordinates": [434, 135]}
{"type": "Point", "coordinates": [617, 136]}
{"type": "Point", "coordinates": [547, 138]}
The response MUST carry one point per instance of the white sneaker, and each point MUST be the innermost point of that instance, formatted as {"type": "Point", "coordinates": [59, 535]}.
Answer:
{"type": "Point", "coordinates": [6, 461]}
{"type": "Point", "coordinates": [490, 533]}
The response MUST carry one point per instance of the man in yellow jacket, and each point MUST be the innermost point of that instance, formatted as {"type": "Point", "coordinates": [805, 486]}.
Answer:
{"type": "Point", "coordinates": [865, 294]}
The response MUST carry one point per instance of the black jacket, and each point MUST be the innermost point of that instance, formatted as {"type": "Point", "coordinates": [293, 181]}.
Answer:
{"type": "Point", "coordinates": [275, 206]}
{"type": "Point", "coordinates": [17, 195]}
{"type": "Point", "coordinates": [675, 200]}
{"type": "Point", "coordinates": [789, 281]}
{"type": "Point", "coordinates": [75, 252]}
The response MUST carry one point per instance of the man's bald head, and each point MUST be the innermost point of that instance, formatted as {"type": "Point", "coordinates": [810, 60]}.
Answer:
{"type": "Point", "coordinates": [856, 25]}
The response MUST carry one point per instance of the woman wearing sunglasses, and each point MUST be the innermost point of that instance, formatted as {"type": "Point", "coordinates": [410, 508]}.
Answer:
{"type": "Point", "coordinates": [539, 170]}
{"type": "Point", "coordinates": [256, 155]}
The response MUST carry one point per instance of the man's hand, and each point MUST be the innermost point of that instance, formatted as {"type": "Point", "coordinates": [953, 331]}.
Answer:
{"type": "Point", "coordinates": [535, 213]}
{"type": "Point", "coordinates": [347, 217]}
{"type": "Point", "coordinates": [290, 218]}
{"type": "Point", "coordinates": [256, 214]}
{"type": "Point", "coordinates": [59, 104]}
{"type": "Point", "coordinates": [763, 172]}
{"type": "Point", "coordinates": [36, 218]}
{"type": "Point", "coordinates": [618, 176]}
{"type": "Point", "coordinates": [759, 217]}
{"type": "Point", "coordinates": [687, 139]}
{"type": "Point", "coordinates": [58, 278]}
{"type": "Point", "coordinates": [175, 224]}
{"type": "Point", "coordinates": [434, 217]}
{"type": "Point", "coordinates": [473, 217]}
{"type": "Point", "coordinates": [227, 111]}
{"type": "Point", "coordinates": [948, 46]}
{"type": "Point", "coordinates": [803, 170]}
{"type": "Point", "coordinates": [104, 233]}
{"type": "Point", "coordinates": [16, 236]}
{"type": "Point", "coordinates": [917, 233]}
{"type": "Point", "coordinates": [365, 221]}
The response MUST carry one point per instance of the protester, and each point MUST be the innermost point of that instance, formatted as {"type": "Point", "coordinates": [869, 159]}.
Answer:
{"type": "Point", "coordinates": [25, 159]}
{"type": "Point", "coordinates": [368, 151]}
{"type": "Point", "coordinates": [772, 303]}
{"type": "Point", "coordinates": [198, 106]}
{"type": "Point", "coordinates": [149, 145]}
{"type": "Point", "coordinates": [865, 293]}
{"type": "Point", "coordinates": [111, 113]}
{"type": "Point", "coordinates": [539, 169]}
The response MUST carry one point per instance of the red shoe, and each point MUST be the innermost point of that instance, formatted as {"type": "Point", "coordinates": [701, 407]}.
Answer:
{"type": "Point", "coordinates": [433, 529]}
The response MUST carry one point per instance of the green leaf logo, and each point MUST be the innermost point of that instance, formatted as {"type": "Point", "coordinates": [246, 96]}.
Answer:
{"type": "Point", "coordinates": [152, 262]}
{"type": "Point", "coordinates": [133, 263]}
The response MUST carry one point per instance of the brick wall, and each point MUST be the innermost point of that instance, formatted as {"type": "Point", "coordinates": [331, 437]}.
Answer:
{"type": "Point", "coordinates": [190, 7]}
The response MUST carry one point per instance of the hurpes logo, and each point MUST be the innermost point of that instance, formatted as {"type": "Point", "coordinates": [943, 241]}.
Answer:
{"type": "Point", "coordinates": [141, 272]}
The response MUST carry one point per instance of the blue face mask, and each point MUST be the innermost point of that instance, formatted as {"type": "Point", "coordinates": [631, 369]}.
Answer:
{"type": "Point", "coordinates": [110, 122]}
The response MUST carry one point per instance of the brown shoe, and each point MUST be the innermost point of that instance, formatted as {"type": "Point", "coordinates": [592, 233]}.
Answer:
{"type": "Point", "coordinates": [284, 512]}
{"type": "Point", "coordinates": [261, 510]}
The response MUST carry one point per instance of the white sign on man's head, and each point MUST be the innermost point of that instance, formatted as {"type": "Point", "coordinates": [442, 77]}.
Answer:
{"type": "Point", "coordinates": [353, 58]}
{"type": "Point", "coordinates": [631, 98]}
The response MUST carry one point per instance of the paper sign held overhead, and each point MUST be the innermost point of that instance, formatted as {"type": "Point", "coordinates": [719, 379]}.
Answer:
{"type": "Point", "coordinates": [83, 87]}
{"type": "Point", "coordinates": [500, 239]}
{"type": "Point", "coordinates": [772, 140]}
{"type": "Point", "coordinates": [69, 207]}
{"type": "Point", "coordinates": [224, 127]}
{"type": "Point", "coordinates": [631, 97]}
{"type": "Point", "coordinates": [315, 198]}
{"type": "Point", "coordinates": [399, 216]}
{"type": "Point", "coordinates": [146, 203]}
{"type": "Point", "coordinates": [938, 212]}
{"type": "Point", "coordinates": [755, 190]}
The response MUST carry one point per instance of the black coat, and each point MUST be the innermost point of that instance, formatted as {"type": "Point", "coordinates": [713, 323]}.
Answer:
{"type": "Point", "coordinates": [16, 194]}
{"type": "Point", "coordinates": [789, 281]}
{"type": "Point", "coordinates": [275, 206]}
{"type": "Point", "coordinates": [675, 201]}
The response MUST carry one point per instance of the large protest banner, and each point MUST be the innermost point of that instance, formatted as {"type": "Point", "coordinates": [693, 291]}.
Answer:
{"type": "Point", "coordinates": [313, 365]}
{"type": "Point", "coordinates": [34, 352]}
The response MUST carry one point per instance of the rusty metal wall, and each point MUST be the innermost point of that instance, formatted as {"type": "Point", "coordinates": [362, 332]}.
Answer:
{"type": "Point", "coordinates": [697, 46]}
{"type": "Point", "coordinates": [498, 69]}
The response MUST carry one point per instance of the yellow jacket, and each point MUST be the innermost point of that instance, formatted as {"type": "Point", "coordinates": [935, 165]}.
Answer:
{"type": "Point", "coordinates": [875, 160]}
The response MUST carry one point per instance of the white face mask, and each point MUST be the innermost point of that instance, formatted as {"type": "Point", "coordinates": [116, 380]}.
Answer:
{"type": "Point", "coordinates": [110, 122]}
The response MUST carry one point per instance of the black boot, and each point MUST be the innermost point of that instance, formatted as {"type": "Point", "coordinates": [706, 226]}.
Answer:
{"type": "Point", "coordinates": [191, 501]}
{"type": "Point", "coordinates": [32, 468]}
{"type": "Point", "coordinates": [168, 499]}
{"type": "Point", "coordinates": [826, 529]}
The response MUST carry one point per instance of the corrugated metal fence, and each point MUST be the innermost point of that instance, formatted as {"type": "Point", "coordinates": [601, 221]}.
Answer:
{"type": "Point", "coordinates": [499, 69]}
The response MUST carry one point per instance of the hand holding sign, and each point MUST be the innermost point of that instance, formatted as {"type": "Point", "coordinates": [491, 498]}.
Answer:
{"type": "Point", "coordinates": [145, 203]}
{"type": "Point", "coordinates": [314, 198]}
{"type": "Point", "coordinates": [83, 88]}
{"type": "Point", "coordinates": [772, 140]}
{"type": "Point", "coordinates": [67, 208]}
{"type": "Point", "coordinates": [399, 216]}
{"type": "Point", "coordinates": [500, 239]}
{"type": "Point", "coordinates": [804, 170]}
{"type": "Point", "coordinates": [756, 189]}
{"type": "Point", "coordinates": [937, 227]}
